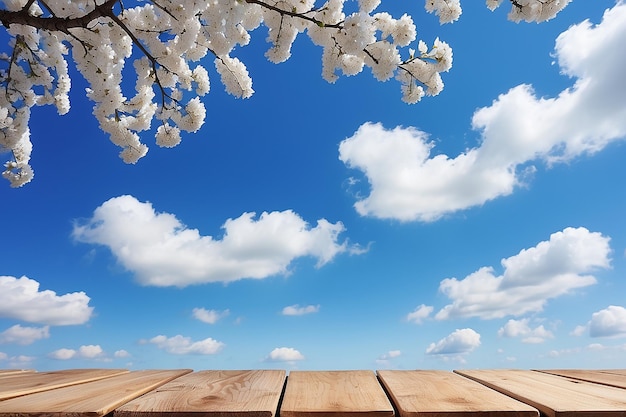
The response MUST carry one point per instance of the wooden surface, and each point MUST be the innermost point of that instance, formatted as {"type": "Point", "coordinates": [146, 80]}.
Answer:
{"type": "Point", "coordinates": [553, 395]}
{"type": "Point", "coordinates": [614, 371]}
{"type": "Point", "coordinates": [444, 394]}
{"type": "Point", "coordinates": [614, 379]}
{"type": "Point", "coordinates": [333, 394]}
{"type": "Point", "coordinates": [6, 372]}
{"type": "Point", "coordinates": [22, 383]}
{"type": "Point", "coordinates": [213, 394]}
{"type": "Point", "coordinates": [92, 399]}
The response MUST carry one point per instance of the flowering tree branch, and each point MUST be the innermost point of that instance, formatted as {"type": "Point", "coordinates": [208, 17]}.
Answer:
{"type": "Point", "coordinates": [176, 39]}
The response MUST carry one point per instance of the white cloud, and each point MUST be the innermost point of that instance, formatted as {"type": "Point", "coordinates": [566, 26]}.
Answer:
{"type": "Point", "coordinates": [20, 361]}
{"type": "Point", "coordinates": [610, 322]}
{"type": "Point", "coordinates": [3, 356]}
{"type": "Point", "coordinates": [83, 352]}
{"type": "Point", "coordinates": [420, 313]}
{"type": "Point", "coordinates": [532, 277]}
{"type": "Point", "coordinates": [409, 183]}
{"type": "Point", "coordinates": [90, 351]}
{"type": "Point", "coordinates": [24, 335]}
{"type": "Point", "coordinates": [296, 310]}
{"type": "Point", "coordinates": [458, 342]}
{"type": "Point", "coordinates": [21, 299]}
{"type": "Point", "coordinates": [386, 358]}
{"type": "Point", "coordinates": [162, 251]}
{"type": "Point", "coordinates": [63, 354]}
{"type": "Point", "coordinates": [209, 316]}
{"type": "Point", "coordinates": [121, 354]}
{"type": "Point", "coordinates": [285, 354]}
{"type": "Point", "coordinates": [579, 331]}
{"type": "Point", "coordinates": [180, 345]}
{"type": "Point", "coordinates": [521, 329]}
{"type": "Point", "coordinates": [390, 355]}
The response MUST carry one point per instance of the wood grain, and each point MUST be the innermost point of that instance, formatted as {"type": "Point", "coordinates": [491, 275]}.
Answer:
{"type": "Point", "coordinates": [23, 383]}
{"type": "Point", "coordinates": [555, 396]}
{"type": "Point", "coordinates": [614, 371]}
{"type": "Point", "coordinates": [333, 394]}
{"type": "Point", "coordinates": [92, 399]}
{"type": "Point", "coordinates": [8, 372]}
{"type": "Point", "coordinates": [213, 394]}
{"type": "Point", "coordinates": [613, 379]}
{"type": "Point", "coordinates": [445, 394]}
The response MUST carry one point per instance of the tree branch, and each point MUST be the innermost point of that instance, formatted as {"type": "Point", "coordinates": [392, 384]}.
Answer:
{"type": "Point", "coordinates": [22, 17]}
{"type": "Point", "coordinates": [302, 16]}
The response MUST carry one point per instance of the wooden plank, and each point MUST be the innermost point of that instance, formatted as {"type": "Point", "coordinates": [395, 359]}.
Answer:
{"type": "Point", "coordinates": [92, 399]}
{"type": "Point", "coordinates": [445, 394]}
{"type": "Point", "coordinates": [7, 372]}
{"type": "Point", "coordinates": [553, 395]}
{"type": "Point", "coordinates": [333, 394]}
{"type": "Point", "coordinates": [213, 394]}
{"type": "Point", "coordinates": [30, 382]}
{"type": "Point", "coordinates": [614, 371]}
{"type": "Point", "coordinates": [599, 377]}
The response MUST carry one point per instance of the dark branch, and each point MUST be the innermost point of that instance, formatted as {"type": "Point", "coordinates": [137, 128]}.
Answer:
{"type": "Point", "coordinates": [58, 24]}
{"type": "Point", "coordinates": [302, 16]}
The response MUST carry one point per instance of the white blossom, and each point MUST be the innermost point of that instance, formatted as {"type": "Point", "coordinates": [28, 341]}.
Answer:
{"type": "Point", "coordinates": [164, 48]}
{"type": "Point", "coordinates": [167, 136]}
{"type": "Point", "coordinates": [447, 10]}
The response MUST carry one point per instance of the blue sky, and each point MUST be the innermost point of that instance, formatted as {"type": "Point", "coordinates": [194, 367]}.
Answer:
{"type": "Point", "coordinates": [332, 226]}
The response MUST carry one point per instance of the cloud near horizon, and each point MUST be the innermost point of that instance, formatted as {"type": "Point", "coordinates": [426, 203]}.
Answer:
{"type": "Point", "coordinates": [161, 251]}
{"type": "Point", "coordinates": [284, 354]}
{"type": "Point", "coordinates": [84, 352]}
{"type": "Point", "coordinates": [21, 299]}
{"type": "Point", "coordinates": [521, 329]}
{"type": "Point", "coordinates": [408, 183]}
{"type": "Point", "coordinates": [609, 322]}
{"type": "Point", "coordinates": [181, 345]}
{"type": "Point", "coordinates": [550, 269]}
{"type": "Point", "coordinates": [461, 341]}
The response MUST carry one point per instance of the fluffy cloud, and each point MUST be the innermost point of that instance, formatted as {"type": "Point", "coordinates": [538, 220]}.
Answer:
{"type": "Point", "coordinates": [83, 352]}
{"type": "Point", "coordinates": [532, 277]}
{"type": "Point", "coordinates": [121, 354]}
{"type": "Point", "coordinates": [209, 316]}
{"type": "Point", "coordinates": [386, 358]}
{"type": "Point", "coordinates": [421, 313]}
{"type": "Point", "coordinates": [24, 335]}
{"type": "Point", "coordinates": [521, 329]}
{"type": "Point", "coordinates": [19, 361]}
{"type": "Point", "coordinates": [285, 354]}
{"type": "Point", "coordinates": [21, 299]}
{"type": "Point", "coordinates": [296, 310]}
{"type": "Point", "coordinates": [458, 342]}
{"type": "Point", "coordinates": [180, 345]}
{"type": "Point", "coordinates": [610, 322]}
{"type": "Point", "coordinates": [409, 183]}
{"type": "Point", "coordinates": [162, 251]}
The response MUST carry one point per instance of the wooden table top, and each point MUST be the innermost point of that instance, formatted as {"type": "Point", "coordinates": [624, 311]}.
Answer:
{"type": "Point", "coordinates": [335, 393]}
{"type": "Point", "coordinates": [211, 393]}
{"type": "Point", "coordinates": [22, 383]}
{"type": "Point", "coordinates": [91, 399]}
{"type": "Point", "coordinates": [439, 393]}
{"type": "Point", "coordinates": [553, 395]}
{"type": "Point", "coordinates": [270, 393]}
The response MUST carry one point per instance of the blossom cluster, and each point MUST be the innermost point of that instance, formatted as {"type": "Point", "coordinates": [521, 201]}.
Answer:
{"type": "Point", "coordinates": [169, 43]}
